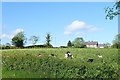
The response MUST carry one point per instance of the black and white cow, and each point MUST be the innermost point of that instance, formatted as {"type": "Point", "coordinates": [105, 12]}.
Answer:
{"type": "Point", "coordinates": [68, 55]}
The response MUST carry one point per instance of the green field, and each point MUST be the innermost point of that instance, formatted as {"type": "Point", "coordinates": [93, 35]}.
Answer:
{"type": "Point", "coordinates": [25, 63]}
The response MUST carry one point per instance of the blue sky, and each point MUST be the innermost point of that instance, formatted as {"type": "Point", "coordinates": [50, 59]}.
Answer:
{"type": "Point", "coordinates": [63, 20]}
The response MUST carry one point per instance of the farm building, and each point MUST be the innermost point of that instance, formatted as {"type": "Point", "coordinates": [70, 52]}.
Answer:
{"type": "Point", "coordinates": [91, 44]}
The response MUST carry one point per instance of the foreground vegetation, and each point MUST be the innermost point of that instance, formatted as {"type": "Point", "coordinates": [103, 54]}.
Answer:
{"type": "Point", "coordinates": [50, 63]}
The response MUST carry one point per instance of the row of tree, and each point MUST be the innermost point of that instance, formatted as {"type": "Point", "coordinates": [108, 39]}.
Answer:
{"type": "Point", "coordinates": [19, 40]}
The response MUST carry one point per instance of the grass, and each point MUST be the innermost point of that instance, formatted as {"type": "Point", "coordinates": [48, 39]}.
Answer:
{"type": "Point", "coordinates": [25, 63]}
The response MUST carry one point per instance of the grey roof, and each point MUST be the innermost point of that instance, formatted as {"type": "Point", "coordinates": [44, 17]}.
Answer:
{"type": "Point", "coordinates": [91, 43]}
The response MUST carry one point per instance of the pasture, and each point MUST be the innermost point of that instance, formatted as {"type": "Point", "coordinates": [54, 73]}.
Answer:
{"type": "Point", "coordinates": [51, 63]}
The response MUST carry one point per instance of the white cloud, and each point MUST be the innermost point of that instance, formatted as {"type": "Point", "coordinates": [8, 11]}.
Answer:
{"type": "Point", "coordinates": [16, 32]}
{"type": "Point", "coordinates": [10, 36]}
{"type": "Point", "coordinates": [75, 25]}
{"type": "Point", "coordinates": [78, 25]}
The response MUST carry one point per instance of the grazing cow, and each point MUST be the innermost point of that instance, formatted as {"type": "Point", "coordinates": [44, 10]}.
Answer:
{"type": "Point", "coordinates": [90, 60]}
{"type": "Point", "coordinates": [68, 55]}
{"type": "Point", "coordinates": [53, 55]}
{"type": "Point", "coordinates": [39, 55]}
{"type": "Point", "coordinates": [100, 56]}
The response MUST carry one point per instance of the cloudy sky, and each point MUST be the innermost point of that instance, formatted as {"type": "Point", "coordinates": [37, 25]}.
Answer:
{"type": "Point", "coordinates": [63, 20]}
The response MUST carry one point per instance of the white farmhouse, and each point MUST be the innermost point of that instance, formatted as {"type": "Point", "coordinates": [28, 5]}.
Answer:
{"type": "Point", "coordinates": [91, 44]}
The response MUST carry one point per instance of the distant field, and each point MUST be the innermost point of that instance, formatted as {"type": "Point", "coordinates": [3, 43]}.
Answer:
{"type": "Point", "coordinates": [25, 63]}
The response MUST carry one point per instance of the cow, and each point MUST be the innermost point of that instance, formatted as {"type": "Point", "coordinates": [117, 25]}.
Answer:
{"type": "Point", "coordinates": [68, 55]}
{"type": "Point", "coordinates": [52, 55]}
{"type": "Point", "coordinates": [39, 55]}
{"type": "Point", "coordinates": [90, 60]}
{"type": "Point", "coordinates": [100, 56]}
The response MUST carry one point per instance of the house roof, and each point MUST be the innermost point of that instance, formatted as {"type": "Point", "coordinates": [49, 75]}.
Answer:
{"type": "Point", "coordinates": [91, 43]}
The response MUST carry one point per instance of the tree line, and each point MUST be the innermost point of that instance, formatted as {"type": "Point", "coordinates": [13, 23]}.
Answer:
{"type": "Point", "coordinates": [19, 40]}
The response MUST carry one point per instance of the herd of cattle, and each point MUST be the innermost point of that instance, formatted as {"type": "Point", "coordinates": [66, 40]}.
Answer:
{"type": "Point", "coordinates": [68, 55]}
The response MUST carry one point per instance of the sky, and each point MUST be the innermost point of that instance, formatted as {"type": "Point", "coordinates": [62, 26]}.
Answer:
{"type": "Point", "coordinates": [63, 20]}
{"type": "Point", "coordinates": [59, 0]}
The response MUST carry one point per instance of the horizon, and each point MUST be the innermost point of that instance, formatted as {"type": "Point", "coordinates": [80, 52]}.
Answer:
{"type": "Point", "coordinates": [64, 21]}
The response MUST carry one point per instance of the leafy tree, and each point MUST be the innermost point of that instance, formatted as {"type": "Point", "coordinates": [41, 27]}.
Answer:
{"type": "Point", "coordinates": [111, 13]}
{"type": "Point", "coordinates": [69, 44]}
{"type": "Point", "coordinates": [114, 11]}
{"type": "Point", "coordinates": [19, 39]}
{"type": "Point", "coordinates": [48, 39]}
{"type": "Point", "coordinates": [107, 45]}
{"type": "Point", "coordinates": [116, 41]}
{"type": "Point", "coordinates": [116, 45]}
{"type": "Point", "coordinates": [78, 42]}
{"type": "Point", "coordinates": [34, 39]}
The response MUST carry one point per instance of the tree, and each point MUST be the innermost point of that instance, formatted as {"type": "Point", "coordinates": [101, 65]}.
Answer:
{"type": "Point", "coordinates": [116, 45]}
{"type": "Point", "coordinates": [69, 44]}
{"type": "Point", "coordinates": [19, 39]}
{"type": "Point", "coordinates": [107, 45]}
{"type": "Point", "coordinates": [48, 39]}
{"type": "Point", "coordinates": [116, 41]}
{"type": "Point", "coordinates": [34, 39]}
{"type": "Point", "coordinates": [78, 42]}
{"type": "Point", "coordinates": [111, 13]}
{"type": "Point", "coordinates": [114, 11]}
